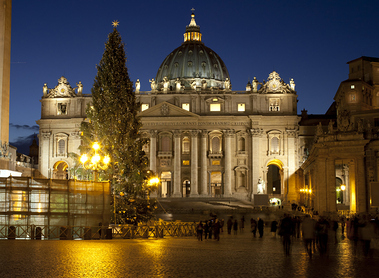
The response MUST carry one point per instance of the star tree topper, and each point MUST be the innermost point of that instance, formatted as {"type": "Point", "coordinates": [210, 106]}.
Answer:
{"type": "Point", "coordinates": [115, 23]}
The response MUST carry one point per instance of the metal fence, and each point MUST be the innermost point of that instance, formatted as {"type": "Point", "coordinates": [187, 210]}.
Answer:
{"type": "Point", "coordinates": [171, 229]}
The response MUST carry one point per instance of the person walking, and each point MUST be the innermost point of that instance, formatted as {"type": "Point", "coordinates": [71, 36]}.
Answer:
{"type": "Point", "coordinates": [200, 231]}
{"type": "Point", "coordinates": [216, 230]}
{"type": "Point", "coordinates": [322, 227]}
{"type": "Point", "coordinates": [235, 226]}
{"type": "Point", "coordinates": [309, 233]}
{"type": "Point", "coordinates": [242, 226]}
{"type": "Point", "coordinates": [286, 231]}
{"type": "Point", "coordinates": [274, 226]}
{"type": "Point", "coordinates": [261, 225]}
{"type": "Point", "coordinates": [253, 224]}
{"type": "Point", "coordinates": [206, 230]}
{"type": "Point", "coordinates": [229, 225]}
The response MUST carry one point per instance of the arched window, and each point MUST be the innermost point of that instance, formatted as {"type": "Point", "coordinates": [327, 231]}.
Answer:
{"type": "Point", "coordinates": [241, 144]}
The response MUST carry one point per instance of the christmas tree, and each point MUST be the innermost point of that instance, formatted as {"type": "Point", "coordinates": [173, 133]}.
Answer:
{"type": "Point", "coordinates": [113, 122]}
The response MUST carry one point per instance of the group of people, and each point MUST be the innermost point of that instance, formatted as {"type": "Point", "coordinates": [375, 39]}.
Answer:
{"type": "Point", "coordinates": [209, 228]}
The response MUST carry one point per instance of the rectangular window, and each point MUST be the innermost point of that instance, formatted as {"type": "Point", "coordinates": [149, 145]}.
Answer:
{"type": "Point", "coordinates": [186, 162]}
{"type": "Point", "coordinates": [214, 107]}
{"type": "Point", "coordinates": [241, 107]}
{"type": "Point", "coordinates": [62, 108]}
{"type": "Point", "coordinates": [186, 106]}
{"type": "Point", "coordinates": [216, 162]}
{"type": "Point", "coordinates": [144, 107]}
{"type": "Point", "coordinates": [352, 86]}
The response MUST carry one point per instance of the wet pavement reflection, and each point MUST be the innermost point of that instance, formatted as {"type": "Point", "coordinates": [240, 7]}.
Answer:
{"type": "Point", "coordinates": [238, 255]}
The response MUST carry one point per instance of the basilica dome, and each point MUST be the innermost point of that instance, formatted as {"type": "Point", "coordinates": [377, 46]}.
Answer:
{"type": "Point", "coordinates": [192, 65]}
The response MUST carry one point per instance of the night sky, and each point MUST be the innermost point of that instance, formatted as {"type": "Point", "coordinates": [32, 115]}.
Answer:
{"type": "Point", "coordinates": [309, 41]}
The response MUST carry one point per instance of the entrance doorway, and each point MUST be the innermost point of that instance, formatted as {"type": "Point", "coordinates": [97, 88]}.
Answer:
{"type": "Point", "coordinates": [165, 190]}
{"type": "Point", "coordinates": [216, 184]}
{"type": "Point", "coordinates": [274, 177]}
{"type": "Point", "coordinates": [186, 188]}
{"type": "Point", "coordinates": [60, 171]}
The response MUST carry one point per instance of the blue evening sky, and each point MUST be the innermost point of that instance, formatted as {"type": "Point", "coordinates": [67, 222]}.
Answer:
{"type": "Point", "coordinates": [309, 41]}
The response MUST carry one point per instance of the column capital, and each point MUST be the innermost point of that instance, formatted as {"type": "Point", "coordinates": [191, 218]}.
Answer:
{"type": "Point", "coordinates": [292, 132]}
{"type": "Point", "coordinates": [194, 132]}
{"type": "Point", "coordinates": [256, 132]}
{"type": "Point", "coordinates": [177, 133]}
{"type": "Point", "coordinates": [153, 133]}
{"type": "Point", "coordinates": [228, 132]}
{"type": "Point", "coordinates": [204, 133]}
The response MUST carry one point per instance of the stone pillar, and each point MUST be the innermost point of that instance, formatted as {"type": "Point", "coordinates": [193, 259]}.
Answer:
{"type": "Point", "coordinates": [228, 163]}
{"type": "Point", "coordinates": [153, 151]}
{"type": "Point", "coordinates": [194, 165]}
{"type": "Point", "coordinates": [360, 184]}
{"type": "Point", "coordinates": [255, 155]}
{"type": "Point", "coordinates": [5, 67]}
{"type": "Point", "coordinates": [177, 164]}
{"type": "Point", "coordinates": [204, 165]}
{"type": "Point", "coordinates": [331, 184]}
{"type": "Point", "coordinates": [44, 157]}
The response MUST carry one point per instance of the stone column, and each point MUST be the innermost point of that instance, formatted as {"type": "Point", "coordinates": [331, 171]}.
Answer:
{"type": "Point", "coordinates": [228, 163]}
{"type": "Point", "coordinates": [153, 150]}
{"type": "Point", "coordinates": [204, 167]}
{"type": "Point", "coordinates": [194, 164]}
{"type": "Point", "coordinates": [255, 155]}
{"type": "Point", "coordinates": [177, 164]}
{"type": "Point", "coordinates": [5, 67]}
{"type": "Point", "coordinates": [360, 184]}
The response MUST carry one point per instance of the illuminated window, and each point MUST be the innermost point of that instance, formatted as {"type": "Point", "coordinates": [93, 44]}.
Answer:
{"type": "Point", "coordinates": [241, 107]}
{"type": "Point", "coordinates": [144, 106]}
{"type": "Point", "coordinates": [352, 87]}
{"type": "Point", "coordinates": [186, 162]}
{"type": "Point", "coordinates": [186, 106]}
{"type": "Point", "coordinates": [216, 162]}
{"type": "Point", "coordinates": [214, 107]}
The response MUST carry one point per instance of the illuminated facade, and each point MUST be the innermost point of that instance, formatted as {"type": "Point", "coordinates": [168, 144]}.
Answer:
{"type": "Point", "coordinates": [206, 140]}
{"type": "Point", "coordinates": [341, 172]}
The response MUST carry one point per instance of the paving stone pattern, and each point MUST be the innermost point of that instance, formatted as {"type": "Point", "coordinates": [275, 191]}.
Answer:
{"type": "Point", "coordinates": [238, 255]}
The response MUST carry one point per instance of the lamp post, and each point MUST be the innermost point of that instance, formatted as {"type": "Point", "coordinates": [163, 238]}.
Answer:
{"type": "Point", "coordinates": [96, 161]}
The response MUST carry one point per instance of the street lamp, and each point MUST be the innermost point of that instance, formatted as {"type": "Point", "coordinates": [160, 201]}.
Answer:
{"type": "Point", "coordinates": [96, 161]}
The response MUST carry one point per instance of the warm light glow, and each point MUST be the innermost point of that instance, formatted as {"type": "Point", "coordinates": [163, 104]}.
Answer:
{"type": "Point", "coordinates": [95, 146]}
{"type": "Point", "coordinates": [95, 159]}
{"type": "Point", "coordinates": [106, 159]}
{"type": "Point", "coordinates": [154, 181]}
{"type": "Point", "coordinates": [343, 187]}
{"type": "Point", "coordinates": [215, 107]}
{"type": "Point", "coordinates": [83, 158]}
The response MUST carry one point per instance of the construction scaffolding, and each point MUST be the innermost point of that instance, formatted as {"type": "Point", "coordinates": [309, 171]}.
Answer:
{"type": "Point", "coordinates": [47, 202]}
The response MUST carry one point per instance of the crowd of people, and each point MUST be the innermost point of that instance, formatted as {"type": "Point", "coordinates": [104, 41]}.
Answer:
{"type": "Point", "coordinates": [314, 231]}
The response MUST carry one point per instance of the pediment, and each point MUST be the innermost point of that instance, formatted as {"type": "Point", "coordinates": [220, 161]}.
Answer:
{"type": "Point", "coordinates": [166, 109]}
{"type": "Point", "coordinates": [63, 89]}
{"type": "Point", "coordinates": [275, 85]}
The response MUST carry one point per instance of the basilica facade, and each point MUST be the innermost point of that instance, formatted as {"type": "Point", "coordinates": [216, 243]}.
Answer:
{"type": "Point", "coordinates": [206, 140]}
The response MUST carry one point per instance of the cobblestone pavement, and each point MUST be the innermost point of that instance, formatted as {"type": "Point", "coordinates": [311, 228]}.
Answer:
{"type": "Point", "coordinates": [238, 255]}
